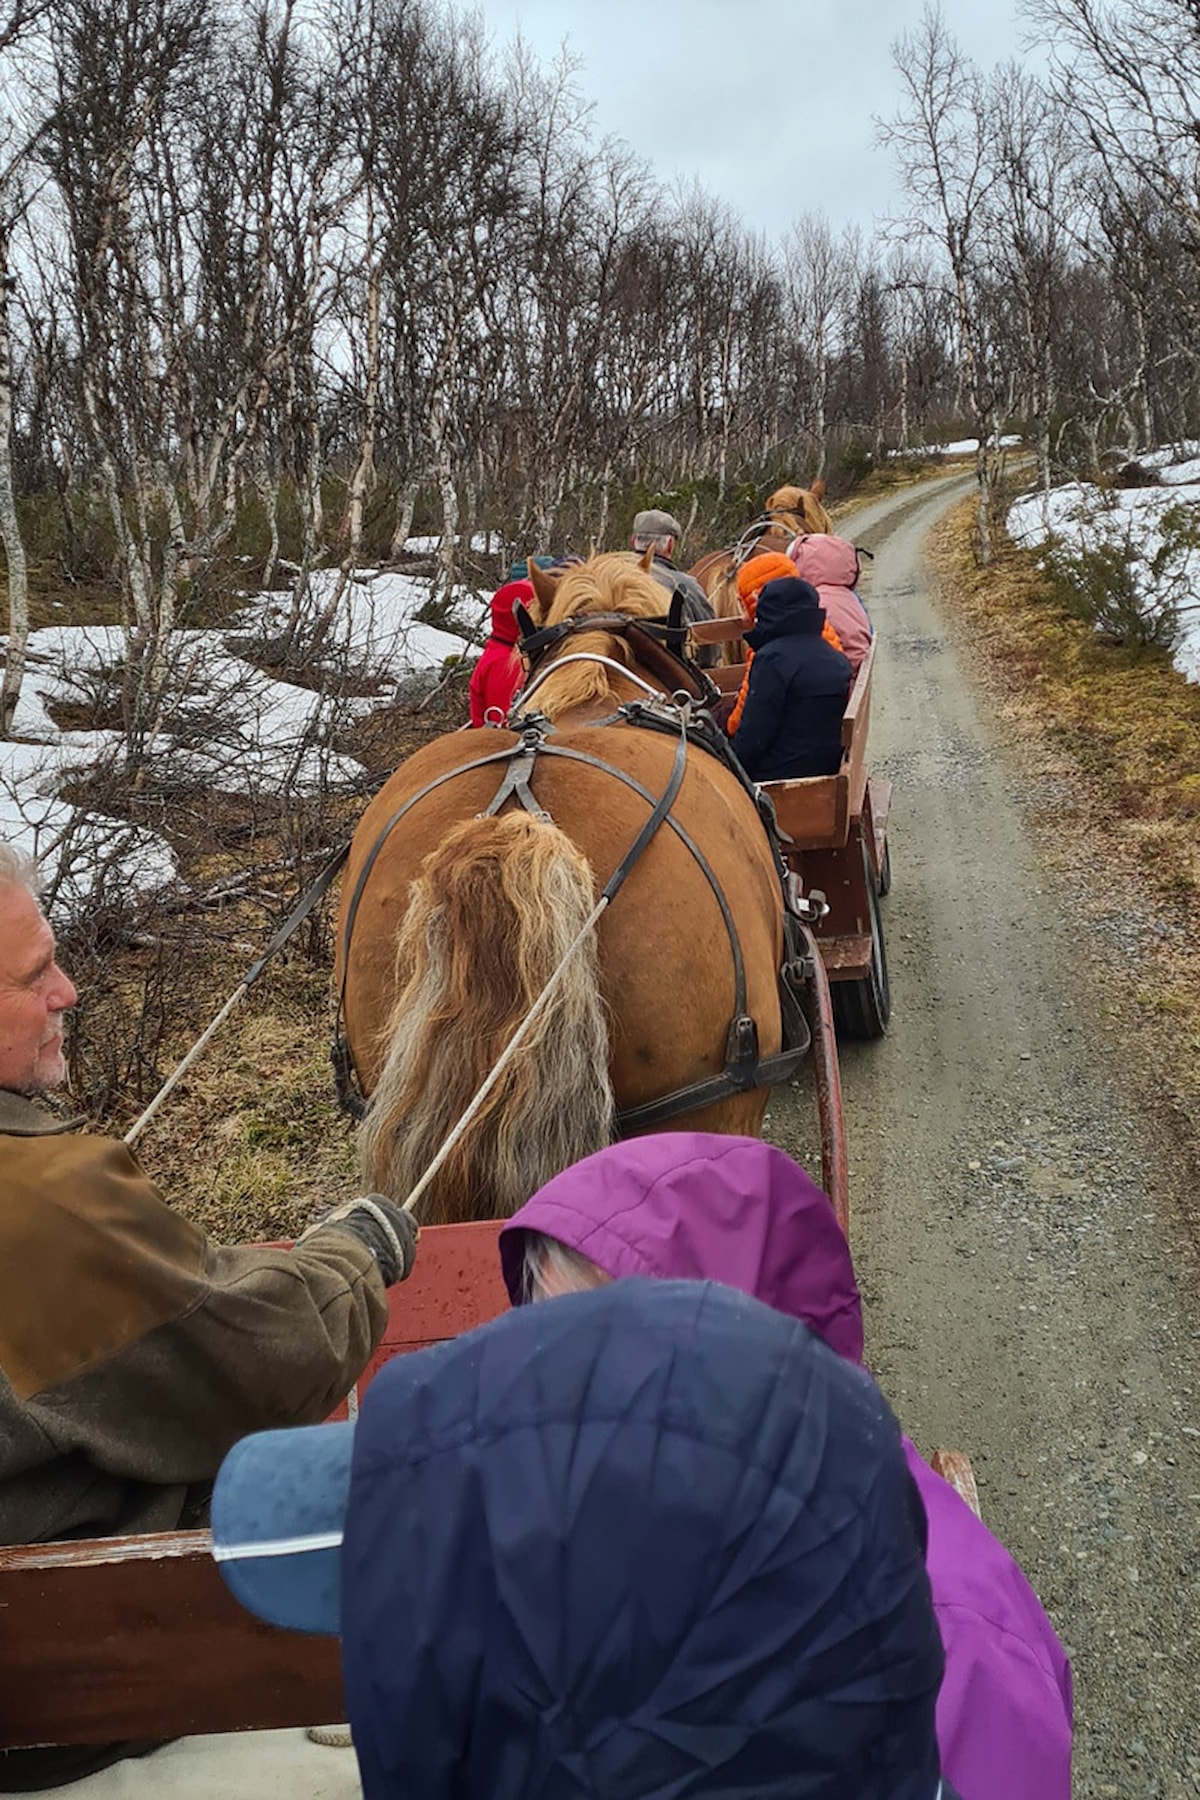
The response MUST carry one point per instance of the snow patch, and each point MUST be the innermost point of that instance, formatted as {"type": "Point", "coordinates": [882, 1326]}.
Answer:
{"type": "Point", "coordinates": [226, 726]}
{"type": "Point", "coordinates": [1080, 516]}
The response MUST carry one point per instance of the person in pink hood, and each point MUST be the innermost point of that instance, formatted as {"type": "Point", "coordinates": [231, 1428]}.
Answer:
{"type": "Point", "coordinates": [831, 564]}
{"type": "Point", "coordinates": [497, 676]}
{"type": "Point", "coordinates": [682, 1206]}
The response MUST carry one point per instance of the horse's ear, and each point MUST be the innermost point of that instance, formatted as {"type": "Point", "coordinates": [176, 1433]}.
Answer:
{"type": "Point", "coordinates": [544, 587]}
{"type": "Point", "coordinates": [646, 560]}
{"type": "Point", "coordinates": [817, 490]}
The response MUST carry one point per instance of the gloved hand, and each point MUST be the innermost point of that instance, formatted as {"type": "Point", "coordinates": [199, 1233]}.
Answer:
{"type": "Point", "coordinates": [388, 1232]}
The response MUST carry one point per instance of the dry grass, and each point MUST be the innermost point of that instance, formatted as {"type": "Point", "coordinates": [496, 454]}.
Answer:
{"type": "Point", "coordinates": [252, 1144]}
{"type": "Point", "coordinates": [1113, 738]}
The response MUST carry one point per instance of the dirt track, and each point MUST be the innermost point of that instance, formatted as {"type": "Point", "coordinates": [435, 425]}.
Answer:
{"type": "Point", "coordinates": [1017, 1222]}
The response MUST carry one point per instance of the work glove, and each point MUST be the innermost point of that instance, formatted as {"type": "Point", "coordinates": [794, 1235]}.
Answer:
{"type": "Point", "coordinates": [388, 1232]}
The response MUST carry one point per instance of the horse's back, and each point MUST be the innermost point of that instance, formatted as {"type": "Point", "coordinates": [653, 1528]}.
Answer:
{"type": "Point", "coordinates": [665, 953]}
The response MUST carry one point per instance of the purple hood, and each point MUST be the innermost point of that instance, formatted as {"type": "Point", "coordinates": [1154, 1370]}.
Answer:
{"type": "Point", "coordinates": [695, 1206]}
{"type": "Point", "coordinates": [691, 1206]}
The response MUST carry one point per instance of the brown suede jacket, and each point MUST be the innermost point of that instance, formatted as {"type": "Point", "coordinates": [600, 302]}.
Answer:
{"type": "Point", "coordinates": [133, 1351]}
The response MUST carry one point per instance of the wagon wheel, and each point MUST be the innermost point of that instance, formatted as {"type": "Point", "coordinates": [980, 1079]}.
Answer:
{"type": "Point", "coordinates": [862, 1008]}
{"type": "Point", "coordinates": [885, 871]}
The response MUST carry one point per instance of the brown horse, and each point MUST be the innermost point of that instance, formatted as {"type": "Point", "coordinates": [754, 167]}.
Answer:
{"type": "Point", "coordinates": [787, 512]}
{"type": "Point", "coordinates": [460, 915]}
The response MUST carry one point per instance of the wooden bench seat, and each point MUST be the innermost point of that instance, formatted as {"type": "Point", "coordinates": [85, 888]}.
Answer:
{"type": "Point", "coordinates": [140, 1638]}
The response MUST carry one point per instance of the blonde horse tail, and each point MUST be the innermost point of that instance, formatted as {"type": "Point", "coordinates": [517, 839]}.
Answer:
{"type": "Point", "coordinates": [491, 914]}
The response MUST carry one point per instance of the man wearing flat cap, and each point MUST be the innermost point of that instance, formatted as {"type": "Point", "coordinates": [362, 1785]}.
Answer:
{"type": "Point", "coordinates": [658, 531]}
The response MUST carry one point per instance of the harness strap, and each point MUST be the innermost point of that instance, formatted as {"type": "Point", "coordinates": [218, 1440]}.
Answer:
{"type": "Point", "coordinates": [685, 838]}
{"type": "Point", "coordinates": [516, 778]}
{"type": "Point", "coordinates": [736, 1078]}
{"type": "Point", "coordinates": [349, 1095]}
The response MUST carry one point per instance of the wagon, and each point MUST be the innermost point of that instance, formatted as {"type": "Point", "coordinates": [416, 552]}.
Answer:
{"type": "Point", "coordinates": [139, 1638]}
{"type": "Point", "coordinates": [835, 841]}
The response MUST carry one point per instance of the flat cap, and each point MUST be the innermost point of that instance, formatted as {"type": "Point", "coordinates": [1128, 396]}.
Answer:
{"type": "Point", "coordinates": [656, 524]}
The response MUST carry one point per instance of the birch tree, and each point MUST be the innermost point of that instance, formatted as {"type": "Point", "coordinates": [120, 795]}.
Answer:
{"type": "Point", "coordinates": [19, 131]}
{"type": "Point", "coordinates": [942, 137]}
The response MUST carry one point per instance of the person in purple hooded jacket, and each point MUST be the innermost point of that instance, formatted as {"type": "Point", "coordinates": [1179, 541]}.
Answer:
{"type": "Point", "coordinates": [696, 1206]}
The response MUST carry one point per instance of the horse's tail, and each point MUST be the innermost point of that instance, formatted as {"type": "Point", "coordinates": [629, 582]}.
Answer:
{"type": "Point", "coordinates": [492, 912]}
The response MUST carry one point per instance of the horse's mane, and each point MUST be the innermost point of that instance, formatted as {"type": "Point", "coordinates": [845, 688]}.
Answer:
{"type": "Point", "coordinates": [612, 583]}
{"type": "Point", "coordinates": [801, 507]}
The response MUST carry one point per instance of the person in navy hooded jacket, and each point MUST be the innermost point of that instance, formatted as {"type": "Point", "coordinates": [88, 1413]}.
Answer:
{"type": "Point", "coordinates": [651, 1541]}
{"type": "Point", "coordinates": [799, 685]}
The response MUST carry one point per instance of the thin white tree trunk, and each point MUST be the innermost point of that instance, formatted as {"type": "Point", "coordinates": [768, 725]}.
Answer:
{"type": "Point", "coordinates": [406, 506]}
{"type": "Point", "coordinates": [10, 528]}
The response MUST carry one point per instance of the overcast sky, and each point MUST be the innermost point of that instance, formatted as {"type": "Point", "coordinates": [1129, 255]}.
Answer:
{"type": "Point", "coordinates": [776, 121]}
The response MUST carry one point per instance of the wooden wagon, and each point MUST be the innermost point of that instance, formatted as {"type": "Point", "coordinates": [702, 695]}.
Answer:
{"type": "Point", "coordinates": [139, 1638]}
{"type": "Point", "coordinates": [835, 830]}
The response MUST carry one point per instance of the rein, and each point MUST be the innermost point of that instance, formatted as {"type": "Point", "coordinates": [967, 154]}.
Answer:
{"type": "Point", "coordinates": [290, 925]}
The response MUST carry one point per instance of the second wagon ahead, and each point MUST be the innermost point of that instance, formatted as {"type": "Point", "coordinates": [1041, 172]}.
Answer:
{"type": "Point", "coordinates": [835, 841]}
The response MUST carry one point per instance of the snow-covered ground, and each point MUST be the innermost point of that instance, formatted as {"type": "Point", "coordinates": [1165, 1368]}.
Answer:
{"type": "Point", "coordinates": [960, 447]}
{"type": "Point", "coordinates": [1081, 514]}
{"type": "Point", "coordinates": [487, 545]}
{"type": "Point", "coordinates": [231, 728]}
{"type": "Point", "coordinates": [228, 726]}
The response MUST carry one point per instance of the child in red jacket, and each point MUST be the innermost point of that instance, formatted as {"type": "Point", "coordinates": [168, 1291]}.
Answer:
{"type": "Point", "coordinates": [497, 676]}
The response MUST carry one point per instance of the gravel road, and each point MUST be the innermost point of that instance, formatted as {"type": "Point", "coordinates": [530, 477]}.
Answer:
{"type": "Point", "coordinates": [1018, 1222]}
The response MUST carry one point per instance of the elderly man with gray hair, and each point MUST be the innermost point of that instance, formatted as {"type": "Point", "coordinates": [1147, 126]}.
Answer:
{"type": "Point", "coordinates": [659, 532]}
{"type": "Point", "coordinates": [134, 1351]}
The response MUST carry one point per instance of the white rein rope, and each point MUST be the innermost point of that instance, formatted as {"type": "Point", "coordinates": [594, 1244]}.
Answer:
{"type": "Point", "coordinates": [506, 1056]}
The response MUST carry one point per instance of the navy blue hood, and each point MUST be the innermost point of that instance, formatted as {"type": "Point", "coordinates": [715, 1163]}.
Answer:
{"type": "Point", "coordinates": [654, 1540]}
{"type": "Point", "coordinates": [787, 607]}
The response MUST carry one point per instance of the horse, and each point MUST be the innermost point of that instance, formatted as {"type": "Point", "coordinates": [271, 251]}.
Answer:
{"type": "Point", "coordinates": [473, 875]}
{"type": "Point", "coordinates": [787, 512]}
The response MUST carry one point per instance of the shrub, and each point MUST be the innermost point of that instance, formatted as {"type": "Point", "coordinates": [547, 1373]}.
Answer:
{"type": "Point", "coordinates": [1128, 597]}
{"type": "Point", "coordinates": [851, 469]}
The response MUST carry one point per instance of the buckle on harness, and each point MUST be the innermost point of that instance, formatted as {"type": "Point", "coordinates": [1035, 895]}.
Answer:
{"type": "Point", "coordinates": [741, 1044]}
{"type": "Point", "coordinates": [809, 908]}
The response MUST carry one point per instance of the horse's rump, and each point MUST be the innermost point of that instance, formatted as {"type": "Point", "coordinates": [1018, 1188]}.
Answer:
{"type": "Point", "coordinates": [665, 966]}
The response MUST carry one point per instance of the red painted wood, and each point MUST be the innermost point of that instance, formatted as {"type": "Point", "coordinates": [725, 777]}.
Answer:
{"type": "Point", "coordinates": [455, 1286]}
{"type": "Point", "coordinates": [140, 1638]}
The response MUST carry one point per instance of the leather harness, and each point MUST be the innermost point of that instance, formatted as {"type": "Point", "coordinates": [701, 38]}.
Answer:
{"type": "Point", "coordinates": [654, 643]}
